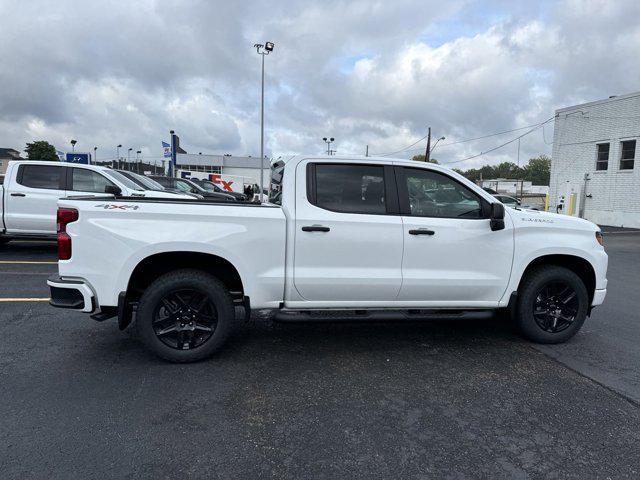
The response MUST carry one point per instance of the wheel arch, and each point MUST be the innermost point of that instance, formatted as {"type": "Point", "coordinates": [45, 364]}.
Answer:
{"type": "Point", "coordinates": [578, 265]}
{"type": "Point", "coordinates": [153, 266]}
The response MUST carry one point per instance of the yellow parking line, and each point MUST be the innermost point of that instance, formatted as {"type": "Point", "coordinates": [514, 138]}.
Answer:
{"type": "Point", "coordinates": [20, 262]}
{"type": "Point", "coordinates": [24, 299]}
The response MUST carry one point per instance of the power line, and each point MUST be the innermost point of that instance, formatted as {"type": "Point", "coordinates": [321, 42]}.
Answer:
{"type": "Point", "coordinates": [502, 145]}
{"type": "Point", "coordinates": [453, 143]}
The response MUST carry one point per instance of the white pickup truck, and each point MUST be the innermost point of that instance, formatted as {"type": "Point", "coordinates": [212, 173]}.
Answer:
{"type": "Point", "coordinates": [31, 189]}
{"type": "Point", "coordinates": [362, 238]}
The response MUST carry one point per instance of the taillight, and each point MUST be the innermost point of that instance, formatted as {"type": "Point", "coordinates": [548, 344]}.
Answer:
{"type": "Point", "coordinates": [64, 217]}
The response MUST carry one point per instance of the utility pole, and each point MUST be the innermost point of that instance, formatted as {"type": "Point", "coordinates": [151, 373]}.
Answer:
{"type": "Point", "coordinates": [366, 154]}
{"type": "Point", "coordinates": [427, 154]}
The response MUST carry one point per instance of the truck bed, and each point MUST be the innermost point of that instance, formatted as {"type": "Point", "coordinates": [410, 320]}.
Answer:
{"type": "Point", "coordinates": [118, 234]}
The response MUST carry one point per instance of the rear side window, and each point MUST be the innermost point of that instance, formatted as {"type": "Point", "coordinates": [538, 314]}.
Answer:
{"type": "Point", "coordinates": [350, 188]}
{"type": "Point", "coordinates": [88, 181]}
{"type": "Point", "coordinates": [40, 176]}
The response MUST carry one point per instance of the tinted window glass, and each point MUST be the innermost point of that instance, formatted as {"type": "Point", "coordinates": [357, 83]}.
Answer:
{"type": "Point", "coordinates": [433, 194]}
{"type": "Point", "coordinates": [41, 176]}
{"type": "Point", "coordinates": [602, 161]}
{"type": "Point", "coordinates": [88, 181]}
{"type": "Point", "coordinates": [350, 188]}
{"type": "Point", "coordinates": [628, 154]}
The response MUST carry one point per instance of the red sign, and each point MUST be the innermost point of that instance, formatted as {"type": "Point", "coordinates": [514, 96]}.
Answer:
{"type": "Point", "coordinates": [217, 179]}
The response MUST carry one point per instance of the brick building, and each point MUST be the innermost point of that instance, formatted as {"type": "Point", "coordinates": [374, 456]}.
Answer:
{"type": "Point", "coordinates": [595, 161]}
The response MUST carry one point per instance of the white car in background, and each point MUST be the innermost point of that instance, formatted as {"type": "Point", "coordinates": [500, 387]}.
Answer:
{"type": "Point", "coordinates": [31, 190]}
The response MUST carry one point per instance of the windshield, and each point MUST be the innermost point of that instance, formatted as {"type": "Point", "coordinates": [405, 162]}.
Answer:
{"type": "Point", "coordinates": [123, 180]}
{"type": "Point", "coordinates": [191, 185]}
{"type": "Point", "coordinates": [147, 182]}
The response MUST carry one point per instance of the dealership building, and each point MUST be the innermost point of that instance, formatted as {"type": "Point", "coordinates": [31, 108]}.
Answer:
{"type": "Point", "coordinates": [594, 166]}
{"type": "Point", "coordinates": [246, 167]}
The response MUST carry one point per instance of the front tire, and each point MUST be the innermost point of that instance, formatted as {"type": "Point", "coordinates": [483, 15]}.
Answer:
{"type": "Point", "coordinates": [185, 316]}
{"type": "Point", "coordinates": [552, 304]}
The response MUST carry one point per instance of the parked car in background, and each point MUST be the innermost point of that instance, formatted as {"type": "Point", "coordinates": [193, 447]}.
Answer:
{"type": "Point", "coordinates": [344, 236]}
{"type": "Point", "coordinates": [212, 187]}
{"type": "Point", "coordinates": [188, 186]}
{"type": "Point", "coordinates": [513, 202]}
{"type": "Point", "coordinates": [30, 193]}
{"type": "Point", "coordinates": [150, 184]}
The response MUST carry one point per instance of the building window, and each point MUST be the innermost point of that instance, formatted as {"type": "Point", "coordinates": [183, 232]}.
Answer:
{"type": "Point", "coordinates": [602, 160]}
{"type": "Point", "coordinates": [628, 154]}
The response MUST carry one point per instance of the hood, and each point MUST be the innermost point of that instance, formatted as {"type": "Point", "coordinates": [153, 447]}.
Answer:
{"type": "Point", "coordinates": [535, 218]}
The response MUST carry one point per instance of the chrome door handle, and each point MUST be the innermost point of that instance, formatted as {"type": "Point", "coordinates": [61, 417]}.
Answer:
{"type": "Point", "coordinates": [315, 228]}
{"type": "Point", "coordinates": [422, 231]}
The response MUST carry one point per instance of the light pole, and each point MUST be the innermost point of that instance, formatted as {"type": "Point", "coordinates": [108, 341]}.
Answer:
{"type": "Point", "coordinates": [118, 154]}
{"type": "Point", "coordinates": [328, 141]}
{"type": "Point", "coordinates": [262, 50]}
{"type": "Point", "coordinates": [95, 155]}
{"type": "Point", "coordinates": [73, 145]}
{"type": "Point", "coordinates": [138, 159]}
{"type": "Point", "coordinates": [434, 145]}
{"type": "Point", "coordinates": [129, 158]}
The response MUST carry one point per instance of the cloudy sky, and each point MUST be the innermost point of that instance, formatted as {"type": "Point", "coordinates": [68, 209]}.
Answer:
{"type": "Point", "coordinates": [364, 72]}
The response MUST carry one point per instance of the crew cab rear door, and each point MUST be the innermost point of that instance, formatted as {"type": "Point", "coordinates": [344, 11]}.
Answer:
{"type": "Point", "coordinates": [451, 255]}
{"type": "Point", "coordinates": [31, 198]}
{"type": "Point", "coordinates": [348, 234]}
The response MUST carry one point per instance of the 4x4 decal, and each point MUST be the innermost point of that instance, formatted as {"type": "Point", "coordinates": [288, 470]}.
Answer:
{"type": "Point", "coordinates": [113, 206]}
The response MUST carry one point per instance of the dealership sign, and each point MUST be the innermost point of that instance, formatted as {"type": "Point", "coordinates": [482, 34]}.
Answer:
{"type": "Point", "coordinates": [78, 158]}
{"type": "Point", "coordinates": [229, 183]}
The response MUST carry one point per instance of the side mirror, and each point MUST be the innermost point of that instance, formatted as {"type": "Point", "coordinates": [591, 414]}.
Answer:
{"type": "Point", "coordinates": [113, 190]}
{"type": "Point", "coordinates": [497, 216]}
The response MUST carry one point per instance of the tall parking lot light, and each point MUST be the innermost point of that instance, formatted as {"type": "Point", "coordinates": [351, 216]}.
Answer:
{"type": "Point", "coordinates": [328, 141]}
{"type": "Point", "coordinates": [262, 50]}
{"type": "Point", "coordinates": [129, 158]}
{"type": "Point", "coordinates": [138, 159]}
{"type": "Point", "coordinates": [118, 155]}
{"type": "Point", "coordinates": [95, 155]}
{"type": "Point", "coordinates": [73, 145]}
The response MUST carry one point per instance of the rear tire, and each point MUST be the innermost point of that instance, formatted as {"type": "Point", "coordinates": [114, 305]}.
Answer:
{"type": "Point", "coordinates": [552, 304]}
{"type": "Point", "coordinates": [185, 316]}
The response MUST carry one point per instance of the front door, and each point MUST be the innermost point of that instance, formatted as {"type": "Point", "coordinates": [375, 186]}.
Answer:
{"type": "Point", "coordinates": [31, 202]}
{"type": "Point", "coordinates": [451, 255]}
{"type": "Point", "coordinates": [348, 240]}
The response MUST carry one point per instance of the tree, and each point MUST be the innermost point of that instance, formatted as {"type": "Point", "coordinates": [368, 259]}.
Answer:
{"type": "Point", "coordinates": [41, 150]}
{"type": "Point", "coordinates": [538, 170]}
{"type": "Point", "coordinates": [420, 158]}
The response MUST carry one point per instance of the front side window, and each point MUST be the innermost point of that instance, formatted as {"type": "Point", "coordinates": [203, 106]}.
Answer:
{"type": "Point", "coordinates": [350, 188]}
{"type": "Point", "coordinates": [40, 176]}
{"type": "Point", "coordinates": [432, 194]}
{"type": "Point", "coordinates": [602, 160]}
{"type": "Point", "coordinates": [88, 181]}
{"type": "Point", "coordinates": [628, 155]}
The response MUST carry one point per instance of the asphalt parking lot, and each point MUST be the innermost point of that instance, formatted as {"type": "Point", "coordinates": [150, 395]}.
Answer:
{"type": "Point", "coordinates": [440, 399]}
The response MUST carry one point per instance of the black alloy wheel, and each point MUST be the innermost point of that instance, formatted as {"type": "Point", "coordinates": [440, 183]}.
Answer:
{"type": "Point", "coordinates": [185, 315]}
{"type": "Point", "coordinates": [552, 304]}
{"type": "Point", "coordinates": [185, 319]}
{"type": "Point", "coordinates": [556, 307]}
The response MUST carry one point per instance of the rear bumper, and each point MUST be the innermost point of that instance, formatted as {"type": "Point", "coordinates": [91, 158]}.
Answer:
{"type": "Point", "coordinates": [598, 297]}
{"type": "Point", "coordinates": [73, 294]}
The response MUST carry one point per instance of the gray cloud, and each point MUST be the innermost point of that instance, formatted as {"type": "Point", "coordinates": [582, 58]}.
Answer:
{"type": "Point", "coordinates": [362, 71]}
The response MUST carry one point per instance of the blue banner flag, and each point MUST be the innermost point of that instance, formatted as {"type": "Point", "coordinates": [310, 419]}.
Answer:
{"type": "Point", "coordinates": [167, 149]}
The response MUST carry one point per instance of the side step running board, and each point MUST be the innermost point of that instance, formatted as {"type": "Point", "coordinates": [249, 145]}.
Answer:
{"type": "Point", "coordinates": [376, 315]}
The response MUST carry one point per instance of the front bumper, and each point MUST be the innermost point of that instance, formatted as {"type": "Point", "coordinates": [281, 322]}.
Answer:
{"type": "Point", "coordinates": [598, 297]}
{"type": "Point", "coordinates": [73, 294]}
